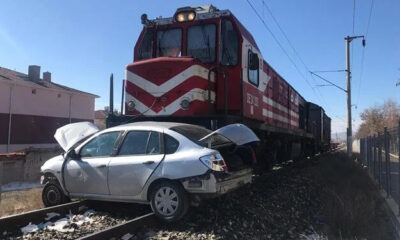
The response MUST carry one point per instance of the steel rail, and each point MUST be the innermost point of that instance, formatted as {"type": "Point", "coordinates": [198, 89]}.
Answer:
{"type": "Point", "coordinates": [23, 219]}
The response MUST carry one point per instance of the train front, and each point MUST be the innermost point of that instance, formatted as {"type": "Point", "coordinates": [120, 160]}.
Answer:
{"type": "Point", "coordinates": [185, 66]}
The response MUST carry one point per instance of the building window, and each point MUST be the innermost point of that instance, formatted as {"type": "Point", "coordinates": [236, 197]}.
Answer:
{"type": "Point", "coordinates": [33, 91]}
{"type": "Point", "coordinates": [59, 95]}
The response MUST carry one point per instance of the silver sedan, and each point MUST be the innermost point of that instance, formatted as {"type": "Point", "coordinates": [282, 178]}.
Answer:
{"type": "Point", "coordinates": [167, 165]}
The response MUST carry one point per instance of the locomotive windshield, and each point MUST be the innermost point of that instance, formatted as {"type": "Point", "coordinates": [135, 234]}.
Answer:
{"type": "Point", "coordinates": [169, 43]}
{"type": "Point", "coordinates": [201, 42]}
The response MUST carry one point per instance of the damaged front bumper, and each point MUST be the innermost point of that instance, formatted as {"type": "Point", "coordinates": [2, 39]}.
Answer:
{"type": "Point", "coordinates": [217, 183]}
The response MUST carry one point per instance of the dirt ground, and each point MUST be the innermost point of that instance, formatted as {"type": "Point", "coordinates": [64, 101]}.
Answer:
{"type": "Point", "coordinates": [20, 201]}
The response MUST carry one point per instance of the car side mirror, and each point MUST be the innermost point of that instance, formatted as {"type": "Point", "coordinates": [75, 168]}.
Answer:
{"type": "Point", "coordinates": [72, 154]}
{"type": "Point", "coordinates": [253, 61]}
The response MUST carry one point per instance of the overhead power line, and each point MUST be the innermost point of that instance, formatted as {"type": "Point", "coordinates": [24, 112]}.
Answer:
{"type": "Point", "coordinates": [326, 71]}
{"type": "Point", "coordinates": [354, 14]}
{"type": "Point", "coordinates": [317, 93]}
{"type": "Point", "coordinates": [369, 17]}
{"type": "Point", "coordinates": [285, 52]}
{"type": "Point", "coordinates": [363, 51]}
{"type": "Point", "coordinates": [280, 46]}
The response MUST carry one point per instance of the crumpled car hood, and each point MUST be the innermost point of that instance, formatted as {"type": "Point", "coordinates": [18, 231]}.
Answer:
{"type": "Point", "coordinates": [237, 133]}
{"type": "Point", "coordinates": [72, 133]}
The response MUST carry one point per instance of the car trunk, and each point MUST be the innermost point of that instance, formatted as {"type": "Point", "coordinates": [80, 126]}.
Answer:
{"type": "Point", "coordinates": [232, 141]}
{"type": "Point", "coordinates": [236, 157]}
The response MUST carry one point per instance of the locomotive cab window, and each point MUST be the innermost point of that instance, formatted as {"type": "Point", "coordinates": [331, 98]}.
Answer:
{"type": "Point", "coordinates": [169, 43]}
{"type": "Point", "coordinates": [229, 44]}
{"type": "Point", "coordinates": [146, 46]}
{"type": "Point", "coordinates": [253, 68]}
{"type": "Point", "coordinates": [201, 42]}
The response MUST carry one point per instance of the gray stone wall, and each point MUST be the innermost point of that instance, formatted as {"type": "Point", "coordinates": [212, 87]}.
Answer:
{"type": "Point", "coordinates": [27, 168]}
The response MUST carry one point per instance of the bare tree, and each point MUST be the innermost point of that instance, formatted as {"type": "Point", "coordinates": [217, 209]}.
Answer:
{"type": "Point", "coordinates": [377, 117]}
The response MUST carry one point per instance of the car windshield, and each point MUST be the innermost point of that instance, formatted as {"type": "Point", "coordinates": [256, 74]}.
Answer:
{"type": "Point", "coordinates": [169, 43]}
{"type": "Point", "coordinates": [195, 133]}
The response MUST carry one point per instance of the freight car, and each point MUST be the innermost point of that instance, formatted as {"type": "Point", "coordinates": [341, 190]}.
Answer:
{"type": "Point", "coordinates": [202, 66]}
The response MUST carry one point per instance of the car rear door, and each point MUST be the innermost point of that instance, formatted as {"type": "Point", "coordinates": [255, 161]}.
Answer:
{"type": "Point", "coordinates": [88, 174]}
{"type": "Point", "coordinates": [137, 158]}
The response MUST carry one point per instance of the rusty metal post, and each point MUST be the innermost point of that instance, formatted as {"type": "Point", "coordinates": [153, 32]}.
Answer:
{"type": "Point", "coordinates": [1, 179]}
{"type": "Point", "coordinates": [367, 152]}
{"type": "Point", "coordinates": [380, 160]}
{"type": "Point", "coordinates": [387, 160]}
{"type": "Point", "coordinates": [398, 164]}
{"type": "Point", "coordinates": [374, 157]}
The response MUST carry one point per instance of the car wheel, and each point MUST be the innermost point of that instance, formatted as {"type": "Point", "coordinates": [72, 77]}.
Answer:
{"type": "Point", "coordinates": [169, 201]}
{"type": "Point", "coordinates": [53, 195]}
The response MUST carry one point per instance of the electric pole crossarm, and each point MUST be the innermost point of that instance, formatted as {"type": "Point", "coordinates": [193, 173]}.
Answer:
{"type": "Point", "coordinates": [328, 81]}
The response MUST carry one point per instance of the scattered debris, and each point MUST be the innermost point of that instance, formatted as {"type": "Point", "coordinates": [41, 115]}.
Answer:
{"type": "Point", "coordinates": [29, 228]}
{"type": "Point", "coordinates": [51, 215]}
{"type": "Point", "coordinates": [127, 236]}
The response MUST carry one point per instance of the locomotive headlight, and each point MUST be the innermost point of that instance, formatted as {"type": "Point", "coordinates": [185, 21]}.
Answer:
{"type": "Point", "coordinates": [180, 17]}
{"type": "Point", "coordinates": [185, 16]}
{"type": "Point", "coordinates": [131, 105]}
{"type": "Point", "coordinates": [185, 104]}
{"type": "Point", "coordinates": [191, 16]}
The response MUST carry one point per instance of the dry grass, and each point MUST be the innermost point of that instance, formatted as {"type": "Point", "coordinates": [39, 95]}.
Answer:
{"type": "Point", "coordinates": [352, 207]}
{"type": "Point", "coordinates": [20, 201]}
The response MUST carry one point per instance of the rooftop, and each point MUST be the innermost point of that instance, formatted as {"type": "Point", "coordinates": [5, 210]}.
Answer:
{"type": "Point", "coordinates": [23, 79]}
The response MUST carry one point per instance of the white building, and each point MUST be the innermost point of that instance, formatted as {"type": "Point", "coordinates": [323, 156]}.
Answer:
{"type": "Point", "coordinates": [31, 109]}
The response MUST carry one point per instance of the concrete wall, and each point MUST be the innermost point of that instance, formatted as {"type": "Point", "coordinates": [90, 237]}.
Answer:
{"type": "Point", "coordinates": [25, 168]}
{"type": "Point", "coordinates": [19, 147]}
{"type": "Point", "coordinates": [356, 146]}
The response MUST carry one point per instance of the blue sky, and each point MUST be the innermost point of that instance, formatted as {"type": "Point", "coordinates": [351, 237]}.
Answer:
{"type": "Point", "coordinates": [82, 42]}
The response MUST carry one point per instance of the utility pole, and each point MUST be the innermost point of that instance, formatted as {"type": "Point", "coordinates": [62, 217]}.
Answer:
{"type": "Point", "coordinates": [349, 127]}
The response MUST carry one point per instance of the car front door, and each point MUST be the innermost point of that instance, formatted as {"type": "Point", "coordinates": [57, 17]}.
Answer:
{"type": "Point", "coordinates": [88, 173]}
{"type": "Point", "coordinates": [139, 155]}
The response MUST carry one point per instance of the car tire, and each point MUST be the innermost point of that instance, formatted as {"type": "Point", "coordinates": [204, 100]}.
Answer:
{"type": "Point", "coordinates": [169, 201]}
{"type": "Point", "coordinates": [53, 195]}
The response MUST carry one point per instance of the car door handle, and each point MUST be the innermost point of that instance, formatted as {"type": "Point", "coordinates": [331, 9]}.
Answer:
{"type": "Point", "coordinates": [102, 166]}
{"type": "Point", "coordinates": [148, 162]}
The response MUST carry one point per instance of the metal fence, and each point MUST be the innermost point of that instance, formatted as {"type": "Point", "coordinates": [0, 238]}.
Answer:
{"type": "Point", "coordinates": [380, 155]}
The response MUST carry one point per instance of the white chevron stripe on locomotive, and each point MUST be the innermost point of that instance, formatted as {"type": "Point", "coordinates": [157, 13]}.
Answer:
{"type": "Point", "coordinates": [157, 91]}
{"type": "Point", "coordinates": [274, 104]}
{"type": "Point", "coordinates": [192, 95]}
{"type": "Point", "coordinates": [267, 113]}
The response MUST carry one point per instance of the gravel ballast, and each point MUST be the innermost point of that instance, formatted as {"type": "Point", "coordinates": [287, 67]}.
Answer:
{"type": "Point", "coordinates": [277, 205]}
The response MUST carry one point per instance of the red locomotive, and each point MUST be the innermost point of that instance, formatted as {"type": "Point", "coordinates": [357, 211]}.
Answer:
{"type": "Point", "coordinates": [202, 66]}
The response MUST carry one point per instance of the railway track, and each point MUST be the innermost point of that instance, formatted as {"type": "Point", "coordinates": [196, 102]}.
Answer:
{"type": "Point", "coordinates": [78, 220]}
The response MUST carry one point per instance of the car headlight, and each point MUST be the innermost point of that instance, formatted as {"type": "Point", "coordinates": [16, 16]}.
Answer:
{"type": "Point", "coordinates": [214, 162]}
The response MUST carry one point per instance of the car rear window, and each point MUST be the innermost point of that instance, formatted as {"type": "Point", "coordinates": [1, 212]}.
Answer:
{"type": "Point", "coordinates": [195, 133]}
{"type": "Point", "coordinates": [171, 144]}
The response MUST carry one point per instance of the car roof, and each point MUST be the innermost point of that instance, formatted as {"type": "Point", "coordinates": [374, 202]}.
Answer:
{"type": "Point", "coordinates": [148, 125]}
